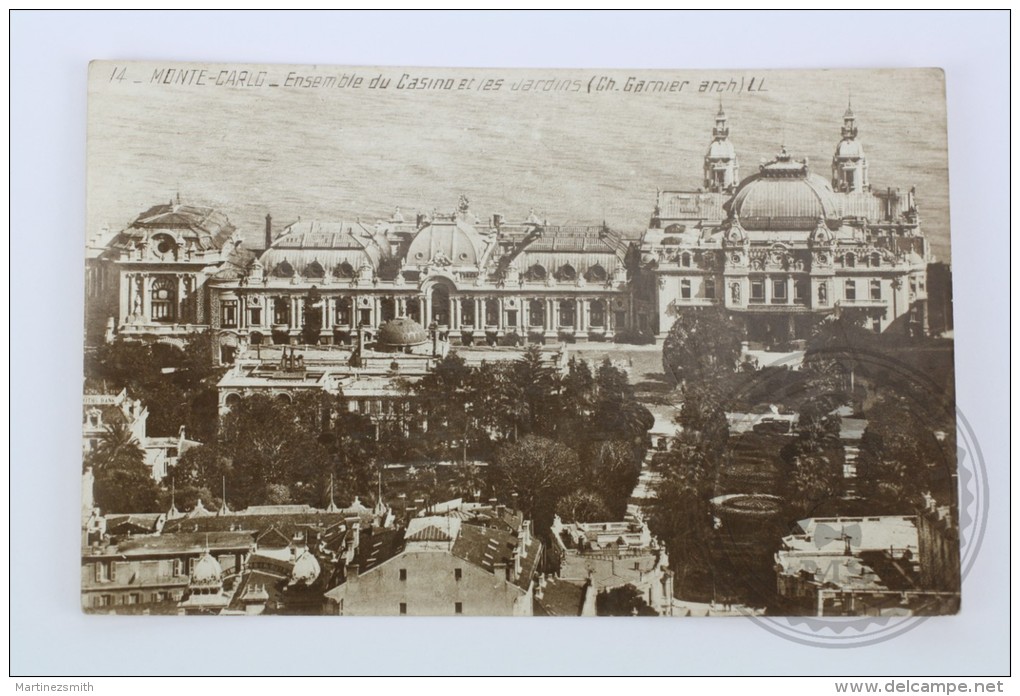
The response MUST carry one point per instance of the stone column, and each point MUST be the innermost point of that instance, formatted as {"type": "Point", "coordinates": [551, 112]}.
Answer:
{"type": "Point", "coordinates": [451, 313]}
{"type": "Point", "coordinates": [458, 305]}
{"type": "Point", "coordinates": [768, 289]}
{"type": "Point", "coordinates": [127, 293]}
{"type": "Point", "coordinates": [376, 311]}
{"type": "Point", "coordinates": [327, 313]}
{"type": "Point", "coordinates": [790, 288]}
{"type": "Point", "coordinates": [500, 314]}
{"type": "Point", "coordinates": [426, 310]}
{"type": "Point", "coordinates": [179, 303]}
{"type": "Point", "coordinates": [146, 291]}
{"type": "Point", "coordinates": [524, 315]}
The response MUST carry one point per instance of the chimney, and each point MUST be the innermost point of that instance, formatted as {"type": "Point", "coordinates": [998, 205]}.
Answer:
{"type": "Point", "coordinates": [352, 571]}
{"type": "Point", "coordinates": [525, 537]}
{"type": "Point", "coordinates": [269, 230]}
{"type": "Point", "coordinates": [517, 563]}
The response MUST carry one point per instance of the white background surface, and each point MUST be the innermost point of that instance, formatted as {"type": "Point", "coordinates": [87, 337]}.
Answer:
{"type": "Point", "coordinates": [49, 56]}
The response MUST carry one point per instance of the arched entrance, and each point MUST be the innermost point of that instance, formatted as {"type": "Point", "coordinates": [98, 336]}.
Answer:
{"type": "Point", "coordinates": [440, 301]}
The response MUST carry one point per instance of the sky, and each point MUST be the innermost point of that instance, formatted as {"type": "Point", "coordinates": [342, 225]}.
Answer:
{"type": "Point", "coordinates": [333, 143]}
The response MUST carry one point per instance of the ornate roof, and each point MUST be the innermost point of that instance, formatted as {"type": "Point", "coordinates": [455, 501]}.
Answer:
{"type": "Point", "coordinates": [170, 228]}
{"type": "Point", "coordinates": [784, 195]}
{"type": "Point", "coordinates": [447, 242]}
{"type": "Point", "coordinates": [312, 249]}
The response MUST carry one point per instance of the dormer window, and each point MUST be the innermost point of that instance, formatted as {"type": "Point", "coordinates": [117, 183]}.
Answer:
{"type": "Point", "coordinates": [284, 270]}
{"type": "Point", "coordinates": [597, 274]}
{"type": "Point", "coordinates": [535, 273]}
{"type": "Point", "coordinates": [314, 270]}
{"type": "Point", "coordinates": [344, 270]}
{"type": "Point", "coordinates": [566, 272]}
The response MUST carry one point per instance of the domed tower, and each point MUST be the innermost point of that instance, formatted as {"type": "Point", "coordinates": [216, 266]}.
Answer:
{"type": "Point", "coordinates": [721, 169]}
{"type": "Point", "coordinates": [849, 166]}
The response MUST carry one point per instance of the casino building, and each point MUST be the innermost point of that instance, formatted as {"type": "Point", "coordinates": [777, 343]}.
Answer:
{"type": "Point", "coordinates": [784, 246]}
{"type": "Point", "coordinates": [777, 249]}
{"type": "Point", "coordinates": [476, 282]}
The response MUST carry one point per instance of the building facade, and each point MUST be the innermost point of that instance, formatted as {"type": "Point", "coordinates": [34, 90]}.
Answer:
{"type": "Point", "coordinates": [777, 249]}
{"type": "Point", "coordinates": [785, 246]}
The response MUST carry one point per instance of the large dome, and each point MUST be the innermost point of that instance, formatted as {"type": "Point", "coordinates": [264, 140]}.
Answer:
{"type": "Point", "coordinates": [784, 196]}
{"type": "Point", "coordinates": [401, 333]}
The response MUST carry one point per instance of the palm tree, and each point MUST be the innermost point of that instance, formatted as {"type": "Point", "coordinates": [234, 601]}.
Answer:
{"type": "Point", "coordinates": [118, 448]}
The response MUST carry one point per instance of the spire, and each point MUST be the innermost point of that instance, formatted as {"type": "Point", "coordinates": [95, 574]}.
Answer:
{"type": "Point", "coordinates": [721, 168]}
{"type": "Point", "coordinates": [173, 513]}
{"type": "Point", "coordinates": [332, 505]}
{"type": "Point", "coordinates": [721, 130]}
{"type": "Point", "coordinates": [224, 510]}
{"type": "Point", "coordinates": [849, 130]}
{"type": "Point", "coordinates": [379, 509]}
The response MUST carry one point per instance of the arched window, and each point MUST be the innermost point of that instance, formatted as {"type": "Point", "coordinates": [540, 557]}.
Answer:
{"type": "Point", "coordinates": [232, 400]}
{"type": "Point", "coordinates": [597, 274]}
{"type": "Point", "coordinates": [344, 270]}
{"type": "Point", "coordinates": [566, 272]}
{"type": "Point", "coordinates": [535, 273]}
{"type": "Point", "coordinates": [710, 288]}
{"type": "Point", "coordinates": [685, 260]}
{"type": "Point", "coordinates": [284, 270]}
{"type": "Point", "coordinates": [164, 298]}
{"type": "Point", "coordinates": [314, 270]}
{"type": "Point", "coordinates": [876, 260]}
{"type": "Point", "coordinates": [850, 261]}
{"type": "Point", "coordinates": [597, 313]}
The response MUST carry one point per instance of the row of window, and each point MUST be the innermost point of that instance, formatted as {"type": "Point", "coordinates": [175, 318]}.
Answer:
{"type": "Point", "coordinates": [132, 598]}
{"type": "Point", "coordinates": [458, 608]}
{"type": "Point", "coordinates": [343, 312]}
{"type": "Point", "coordinates": [458, 573]}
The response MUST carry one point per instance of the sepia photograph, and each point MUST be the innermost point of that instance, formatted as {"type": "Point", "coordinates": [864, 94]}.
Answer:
{"type": "Point", "coordinates": [435, 342]}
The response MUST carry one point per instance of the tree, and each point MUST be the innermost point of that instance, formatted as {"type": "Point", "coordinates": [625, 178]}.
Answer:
{"type": "Point", "coordinates": [618, 415]}
{"type": "Point", "coordinates": [123, 482]}
{"type": "Point", "coordinates": [540, 471]}
{"type": "Point", "coordinates": [312, 324]}
{"type": "Point", "coordinates": [466, 480]}
{"type": "Point", "coordinates": [445, 398]}
{"type": "Point", "coordinates": [576, 403]}
{"type": "Point", "coordinates": [901, 458]}
{"type": "Point", "coordinates": [680, 512]}
{"type": "Point", "coordinates": [626, 600]}
{"type": "Point", "coordinates": [813, 463]}
{"type": "Point", "coordinates": [583, 506]}
{"type": "Point", "coordinates": [540, 386]}
{"type": "Point", "coordinates": [611, 469]}
{"type": "Point", "coordinates": [702, 343]}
